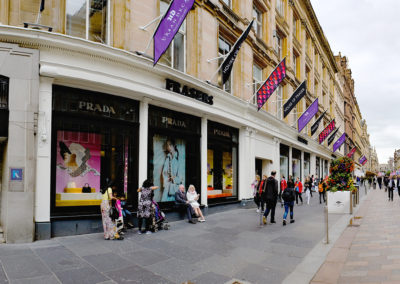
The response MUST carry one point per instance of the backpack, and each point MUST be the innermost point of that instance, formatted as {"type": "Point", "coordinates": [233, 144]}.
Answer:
{"type": "Point", "coordinates": [320, 188]}
{"type": "Point", "coordinates": [288, 195]}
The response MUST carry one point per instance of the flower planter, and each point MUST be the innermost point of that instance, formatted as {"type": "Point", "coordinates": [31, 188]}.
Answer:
{"type": "Point", "coordinates": [339, 202]}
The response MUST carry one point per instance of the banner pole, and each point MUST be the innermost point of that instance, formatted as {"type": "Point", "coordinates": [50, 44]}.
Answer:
{"type": "Point", "coordinates": [39, 14]}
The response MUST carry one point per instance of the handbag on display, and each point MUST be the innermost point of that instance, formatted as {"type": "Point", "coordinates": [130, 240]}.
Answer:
{"type": "Point", "coordinates": [86, 188]}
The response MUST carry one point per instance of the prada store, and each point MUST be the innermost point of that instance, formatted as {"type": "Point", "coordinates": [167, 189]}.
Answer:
{"type": "Point", "coordinates": [94, 141]}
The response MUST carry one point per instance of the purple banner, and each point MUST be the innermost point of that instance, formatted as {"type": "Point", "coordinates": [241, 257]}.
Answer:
{"type": "Point", "coordinates": [362, 160]}
{"type": "Point", "coordinates": [169, 26]}
{"type": "Point", "coordinates": [308, 115]}
{"type": "Point", "coordinates": [339, 142]}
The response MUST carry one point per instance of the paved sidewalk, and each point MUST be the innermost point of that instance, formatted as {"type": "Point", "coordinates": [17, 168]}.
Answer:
{"type": "Point", "coordinates": [368, 251]}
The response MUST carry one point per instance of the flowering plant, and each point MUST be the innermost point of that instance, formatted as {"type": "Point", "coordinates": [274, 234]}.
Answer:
{"type": "Point", "coordinates": [340, 175]}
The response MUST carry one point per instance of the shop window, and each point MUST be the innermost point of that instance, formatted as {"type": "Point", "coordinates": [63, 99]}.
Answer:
{"type": "Point", "coordinates": [4, 85]}
{"type": "Point", "coordinates": [306, 165]}
{"type": "Point", "coordinates": [174, 56]}
{"type": "Point", "coordinates": [284, 161]}
{"type": "Point", "coordinates": [318, 167]}
{"type": "Point", "coordinates": [88, 19]}
{"type": "Point", "coordinates": [174, 153]}
{"type": "Point", "coordinates": [296, 163]}
{"type": "Point", "coordinates": [222, 162]}
{"type": "Point", "coordinates": [279, 102]}
{"type": "Point", "coordinates": [223, 48]}
{"type": "Point", "coordinates": [92, 151]}
{"type": "Point", "coordinates": [278, 45]}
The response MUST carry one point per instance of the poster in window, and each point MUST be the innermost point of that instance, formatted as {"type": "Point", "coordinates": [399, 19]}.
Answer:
{"type": "Point", "coordinates": [210, 166]}
{"type": "Point", "coordinates": [169, 166]}
{"type": "Point", "coordinates": [78, 165]}
{"type": "Point", "coordinates": [227, 173]}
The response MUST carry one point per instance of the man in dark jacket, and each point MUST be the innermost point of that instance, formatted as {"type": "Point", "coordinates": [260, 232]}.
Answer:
{"type": "Point", "coordinates": [270, 195]}
{"type": "Point", "coordinates": [181, 201]}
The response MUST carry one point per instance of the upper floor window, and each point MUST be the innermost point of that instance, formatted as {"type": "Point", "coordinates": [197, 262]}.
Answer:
{"type": "Point", "coordinates": [278, 45]}
{"type": "Point", "coordinates": [174, 56]}
{"type": "Point", "coordinates": [4, 81]}
{"type": "Point", "coordinates": [223, 48]}
{"type": "Point", "coordinates": [296, 65]}
{"type": "Point", "coordinates": [295, 20]}
{"type": "Point", "coordinates": [257, 24]}
{"type": "Point", "coordinates": [257, 78]}
{"type": "Point", "coordinates": [88, 19]}
{"type": "Point", "coordinates": [228, 3]}
{"type": "Point", "coordinates": [279, 101]}
{"type": "Point", "coordinates": [280, 7]}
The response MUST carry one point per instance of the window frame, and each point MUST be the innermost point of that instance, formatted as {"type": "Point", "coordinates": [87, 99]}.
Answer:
{"type": "Point", "coordinates": [229, 4]}
{"type": "Point", "coordinates": [256, 86]}
{"type": "Point", "coordinates": [279, 102]}
{"type": "Point", "coordinates": [280, 7]}
{"type": "Point", "coordinates": [87, 22]}
{"type": "Point", "coordinates": [257, 25]}
{"type": "Point", "coordinates": [223, 87]}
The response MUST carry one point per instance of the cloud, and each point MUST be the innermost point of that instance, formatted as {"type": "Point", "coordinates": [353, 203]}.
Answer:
{"type": "Point", "coordinates": [367, 32]}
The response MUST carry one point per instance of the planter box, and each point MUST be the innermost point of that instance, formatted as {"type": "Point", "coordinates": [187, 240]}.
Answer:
{"type": "Point", "coordinates": [339, 202]}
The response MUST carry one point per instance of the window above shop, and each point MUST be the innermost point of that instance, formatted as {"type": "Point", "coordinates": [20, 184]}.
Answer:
{"type": "Point", "coordinates": [4, 82]}
{"type": "Point", "coordinates": [257, 24]}
{"type": "Point", "coordinates": [88, 19]}
{"type": "Point", "coordinates": [223, 49]}
{"type": "Point", "coordinates": [174, 56]}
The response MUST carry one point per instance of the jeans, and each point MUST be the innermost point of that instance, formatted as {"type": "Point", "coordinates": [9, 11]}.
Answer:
{"type": "Point", "coordinates": [147, 222]}
{"type": "Point", "coordinates": [288, 205]}
{"type": "Point", "coordinates": [390, 189]}
{"type": "Point", "coordinates": [271, 204]}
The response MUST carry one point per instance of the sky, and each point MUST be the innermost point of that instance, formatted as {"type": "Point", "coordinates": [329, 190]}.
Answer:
{"type": "Point", "coordinates": [368, 33]}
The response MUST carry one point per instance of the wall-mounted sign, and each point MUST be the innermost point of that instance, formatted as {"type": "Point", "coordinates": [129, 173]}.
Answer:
{"type": "Point", "coordinates": [176, 87]}
{"type": "Point", "coordinates": [302, 140]}
{"type": "Point", "coordinates": [16, 174]}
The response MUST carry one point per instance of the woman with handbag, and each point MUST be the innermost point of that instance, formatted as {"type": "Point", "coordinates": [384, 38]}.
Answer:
{"type": "Point", "coordinates": [145, 205]}
{"type": "Point", "coordinates": [110, 230]}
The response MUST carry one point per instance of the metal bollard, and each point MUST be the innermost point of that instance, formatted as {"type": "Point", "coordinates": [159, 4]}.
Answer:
{"type": "Point", "coordinates": [326, 223]}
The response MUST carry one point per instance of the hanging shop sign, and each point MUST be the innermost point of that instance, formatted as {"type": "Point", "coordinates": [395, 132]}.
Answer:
{"type": "Point", "coordinates": [325, 133]}
{"type": "Point", "coordinates": [339, 142]}
{"type": "Point", "coordinates": [176, 87]}
{"type": "Point", "coordinates": [294, 99]}
{"type": "Point", "coordinates": [307, 115]}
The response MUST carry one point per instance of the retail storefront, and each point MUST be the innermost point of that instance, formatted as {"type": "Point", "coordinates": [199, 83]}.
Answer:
{"type": "Point", "coordinates": [296, 163]}
{"type": "Point", "coordinates": [173, 153]}
{"type": "Point", "coordinates": [318, 168]}
{"type": "Point", "coordinates": [94, 144]}
{"type": "Point", "coordinates": [222, 163]}
{"type": "Point", "coordinates": [307, 165]}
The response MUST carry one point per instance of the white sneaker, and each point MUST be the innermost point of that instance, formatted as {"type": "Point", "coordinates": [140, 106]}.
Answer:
{"type": "Point", "coordinates": [202, 220]}
{"type": "Point", "coordinates": [258, 210]}
{"type": "Point", "coordinates": [148, 233]}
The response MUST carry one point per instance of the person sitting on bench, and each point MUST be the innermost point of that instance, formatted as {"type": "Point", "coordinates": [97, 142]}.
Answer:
{"type": "Point", "coordinates": [181, 201]}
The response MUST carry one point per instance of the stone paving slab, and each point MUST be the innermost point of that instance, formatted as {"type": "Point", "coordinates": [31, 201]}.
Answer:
{"type": "Point", "coordinates": [368, 253]}
{"type": "Point", "coordinates": [230, 246]}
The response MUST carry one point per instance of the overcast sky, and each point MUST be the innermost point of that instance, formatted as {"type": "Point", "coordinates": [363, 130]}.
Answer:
{"type": "Point", "coordinates": [368, 33]}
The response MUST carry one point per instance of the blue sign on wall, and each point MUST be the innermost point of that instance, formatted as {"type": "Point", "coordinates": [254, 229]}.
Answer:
{"type": "Point", "coordinates": [16, 174]}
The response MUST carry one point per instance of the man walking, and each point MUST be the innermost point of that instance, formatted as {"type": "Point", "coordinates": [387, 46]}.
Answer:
{"type": "Point", "coordinates": [270, 195]}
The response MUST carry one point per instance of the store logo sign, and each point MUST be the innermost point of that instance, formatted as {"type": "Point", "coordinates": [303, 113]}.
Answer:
{"type": "Point", "coordinates": [222, 133]}
{"type": "Point", "coordinates": [88, 106]}
{"type": "Point", "coordinates": [173, 122]}
{"type": "Point", "coordinates": [176, 87]}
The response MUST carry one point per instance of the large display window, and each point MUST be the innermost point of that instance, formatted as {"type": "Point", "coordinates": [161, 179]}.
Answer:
{"type": "Point", "coordinates": [95, 138]}
{"type": "Point", "coordinates": [296, 163]}
{"type": "Point", "coordinates": [174, 153]}
{"type": "Point", "coordinates": [284, 161]}
{"type": "Point", "coordinates": [307, 165]}
{"type": "Point", "coordinates": [222, 156]}
{"type": "Point", "coordinates": [318, 167]}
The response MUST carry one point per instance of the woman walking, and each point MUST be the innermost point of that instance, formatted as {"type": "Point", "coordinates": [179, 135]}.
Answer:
{"type": "Point", "coordinates": [256, 195]}
{"type": "Point", "coordinates": [308, 185]}
{"type": "Point", "coordinates": [392, 185]}
{"type": "Point", "coordinates": [145, 205]}
{"type": "Point", "coordinates": [110, 230]}
{"type": "Point", "coordinates": [299, 190]}
{"type": "Point", "coordinates": [288, 196]}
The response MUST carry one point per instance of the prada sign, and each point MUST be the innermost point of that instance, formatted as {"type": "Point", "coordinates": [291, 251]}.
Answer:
{"type": "Point", "coordinates": [176, 87]}
{"type": "Point", "coordinates": [173, 122]}
{"type": "Point", "coordinates": [102, 108]}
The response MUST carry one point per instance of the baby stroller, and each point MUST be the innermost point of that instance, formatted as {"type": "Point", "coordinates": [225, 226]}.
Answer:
{"type": "Point", "coordinates": [158, 220]}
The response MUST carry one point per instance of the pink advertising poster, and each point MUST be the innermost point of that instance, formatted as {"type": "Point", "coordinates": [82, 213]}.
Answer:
{"type": "Point", "coordinates": [78, 164]}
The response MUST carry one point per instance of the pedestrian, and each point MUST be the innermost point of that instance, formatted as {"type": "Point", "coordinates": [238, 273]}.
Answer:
{"type": "Point", "coordinates": [298, 186]}
{"type": "Point", "coordinates": [392, 185]}
{"type": "Point", "coordinates": [270, 195]}
{"type": "Point", "coordinates": [374, 182]}
{"type": "Point", "coordinates": [256, 195]}
{"type": "Point", "coordinates": [260, 189]}
{"type": "Point", "coordinates": [386, 182]}
{"type": "Point", "coordinates": [380, 182]}
{"type": "Point", "coordinates": [145, 205]}
{"type": "Point", "coordinates": [181, 201]}
{"type": "Point", "coordinates": [398, 184]}
{"type": "Point", "coordinates": [321, 190]}
{"type": "Point", "coordinates": [110, 230]}
{"type": "Point", "coordinates": [308, 185]}
{"type": "Point", "coordinates": [288, 197]}
{"type": "Point", "coordinates": [283, 187]}
{"type": "Point", "coordinates": [193, 197]}
{"type": "Point", "coordinates": [312, 184]}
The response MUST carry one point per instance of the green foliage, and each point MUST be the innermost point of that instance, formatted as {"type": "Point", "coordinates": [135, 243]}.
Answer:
{"type": "Point", "coordinates": [340, 177]}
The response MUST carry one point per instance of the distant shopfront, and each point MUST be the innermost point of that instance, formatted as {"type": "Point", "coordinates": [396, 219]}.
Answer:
{"type": "Point", "coordinates": [222, 163]}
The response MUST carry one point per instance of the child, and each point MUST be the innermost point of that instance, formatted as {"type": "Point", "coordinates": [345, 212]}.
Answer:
{"type": "Point", "coordinates": [119, 222]}
{"type": "Point", "coordinates": [126, 214]}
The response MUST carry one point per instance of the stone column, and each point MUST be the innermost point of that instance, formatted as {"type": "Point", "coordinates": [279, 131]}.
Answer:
{"type": "Point", "coordinates": [276, 162]}
{"type": "Point", "coordinates": [43, 161]}
{"type": "Point", "coordinates": [302, 177]}
{"type": "Point", "coordinates": [143, 139]}
{"type": "Point", "coordinates": [203, 160]}
{"type": "Point", "coordinates": [290, 162]}
{"type": "Point", "coordinates": [245, 176]}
